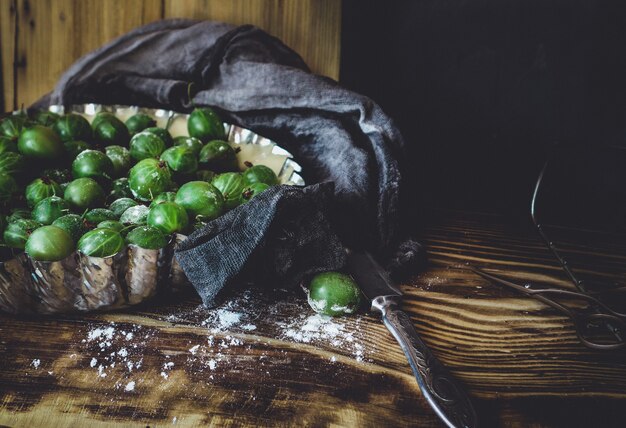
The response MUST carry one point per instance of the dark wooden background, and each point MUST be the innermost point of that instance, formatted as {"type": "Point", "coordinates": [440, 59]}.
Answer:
{"type": "Point", "coordinates": [40, 39]}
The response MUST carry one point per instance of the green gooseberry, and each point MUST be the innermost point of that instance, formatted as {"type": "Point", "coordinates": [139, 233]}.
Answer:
{"type": "Point", "coordinates": [84, 193]}
{"type": "Point", "coordinates": [260, 174]}
{"type": "Point", "coordinates": [137, 215]}
{"type": "Point", "coordinates": [163, 134]}
{"type": "Point", "coordinates": [180, 159]}
{"type": "Point", "coordinates": [18, 214]}
{"type": "Point", "coordinates": [41, 188]}
{"type": "Point", "coordinates": [12, 126]}
{"type": "Point", "coordinates": [218, 155]}
{"type": "Point", "coordinates": [101, 243]}
{"type": "Point", "coordinates": [191, 143]}
{"type": "Point", "coordinates": [73, 224]}
{"type": "Point", "coordinates": [98, 215]}
{"type": "Point", "coordinates": [163, 197]}
{"type": "Point", "coordinates": [17, 232]}
{"type": "Point", "coordinates": [109, 130]}
{"type": "Point", "coordinates": [49, 243]}
{"type": "Point", "coordinates": [168, 217]}
{"type": "Point", "coordinates": [147, 237]}
{"type": "Point", "coordinates": [120, 205]}
{"type": "Point", "coordinates": [146, 145]}
{"type": "Point", "coordinates": [121, 159]}
{"type": "Point", "coordinates": [138, 122]}
{"type": "Point", "coordinates": [231, 185]}
{"type": "Point", "coordinates": [49, 209]}
{"type": "Point", "coordinates": [40, 142]}
{"type": "Point", "coordinates": [149, 178]}
{"type": "Point", "coordinates": [93, 164]}
{"type": "Point", "coordinates": [12, 163]}
{"type": "Point", "coordinates": [72, 126]}
{"type": "Point", "coordinates": [204, 124]}
{"type": "Point", "coordinates": [114, 225]}
{"type": "Point", "coordinates": [334, 294]}
{"type": "Point", "coordinates": [252, 190]}
{"type": "Point", "coordinates": [201, 200]}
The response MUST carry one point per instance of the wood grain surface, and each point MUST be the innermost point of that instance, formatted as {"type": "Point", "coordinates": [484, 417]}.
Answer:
{"type": "Point", "coordinates": [40, 39]}
{"type": "Point", "coordinates": [310, 27]}
{"type": "Point", "coordinates": [8, 52]}
{"type": "Point", "coordinates": [263, 358]}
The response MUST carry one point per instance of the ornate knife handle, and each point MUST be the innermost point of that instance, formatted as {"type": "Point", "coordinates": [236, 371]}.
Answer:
{"type": "Point", "coordinates": [443, 393]}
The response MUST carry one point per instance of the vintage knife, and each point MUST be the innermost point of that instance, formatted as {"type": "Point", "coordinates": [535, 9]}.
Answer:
{"type": "Point", "coordinates": [443, 393]}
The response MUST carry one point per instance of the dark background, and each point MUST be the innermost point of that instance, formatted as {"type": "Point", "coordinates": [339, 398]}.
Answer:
{"type": "Point", "coordinates": [482, 89]}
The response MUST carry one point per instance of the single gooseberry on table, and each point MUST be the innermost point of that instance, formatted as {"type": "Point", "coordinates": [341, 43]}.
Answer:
{"type": "Point", "coordinates": [334, 294]}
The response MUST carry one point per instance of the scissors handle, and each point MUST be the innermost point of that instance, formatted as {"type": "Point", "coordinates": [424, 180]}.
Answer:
{"type": "Point", "coordinates": [614, 322]}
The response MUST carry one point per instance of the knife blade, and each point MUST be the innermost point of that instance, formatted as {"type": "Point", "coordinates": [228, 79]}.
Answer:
{"type": "Point", "coordinates": [442, 392]}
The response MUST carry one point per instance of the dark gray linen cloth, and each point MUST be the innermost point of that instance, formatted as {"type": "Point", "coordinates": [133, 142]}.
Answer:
{"type": "Point", "coordinates": [252, 79]}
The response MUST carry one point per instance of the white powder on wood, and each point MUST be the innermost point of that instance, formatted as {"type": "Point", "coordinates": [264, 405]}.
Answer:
{"type": "Point", "coordinates": [117, 352]}
{"type": "Point", "coordinates": [321, 328]}
{"type": "Point", "coordinates": [100, 333]}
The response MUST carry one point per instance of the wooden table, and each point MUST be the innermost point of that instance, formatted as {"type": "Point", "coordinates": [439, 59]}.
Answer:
{"type": "Point", "coordinates": [263, 358]}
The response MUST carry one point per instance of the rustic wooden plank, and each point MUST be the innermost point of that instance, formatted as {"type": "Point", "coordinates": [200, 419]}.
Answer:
{"type": "Point", "coordinates": [54, 33]}
{"type": "Point", "coordinates": [310, 27]}
{"type": "Point", "coordinates": [248, 363]}
{"type": "Point", "coordinates": [510, 336]}
{"type": "Point", "coordinates": [248, 377]}
{"type": "Point", "coordinates": [7, 50]}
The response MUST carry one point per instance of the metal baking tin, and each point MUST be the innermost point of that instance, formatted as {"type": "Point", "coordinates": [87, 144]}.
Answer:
{"type": "Point", "coordinates": [80, 283]}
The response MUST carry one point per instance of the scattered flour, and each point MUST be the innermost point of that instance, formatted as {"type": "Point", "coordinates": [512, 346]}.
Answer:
{"type": "Point", "coordinates": [101, 333]}
{"type": "Point", "coordinates": [222, 319]}
{"type": "Point", "coordinates": [36, 362]}
{"type": "Point", "coordinates": [114, 346]}
{"type": "Point", "coordinates": [116, 350]}
{"type": "Point", "coordinates": [324, 329]}
{"type": "Point", "coordinates": [248, 327]}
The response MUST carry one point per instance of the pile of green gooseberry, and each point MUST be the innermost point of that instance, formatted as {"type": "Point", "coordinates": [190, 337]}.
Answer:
{"type": "Point", "coordinates": [67, 184]}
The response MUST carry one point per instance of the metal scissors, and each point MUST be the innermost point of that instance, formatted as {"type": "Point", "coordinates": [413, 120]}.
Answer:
{"type": "Point", "coordinates": [596, 314]}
